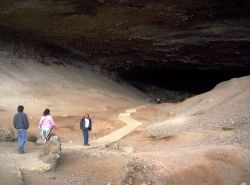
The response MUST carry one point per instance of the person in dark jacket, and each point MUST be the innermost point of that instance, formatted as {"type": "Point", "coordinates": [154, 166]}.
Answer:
{"type": "Point", "coordinates": [86, 126]}
{"type": "Point", "coordinates": [21, 124]}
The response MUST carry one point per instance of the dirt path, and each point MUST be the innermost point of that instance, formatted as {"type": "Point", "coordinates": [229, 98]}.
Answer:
{"type": "Point", "coordinates": [131, 124]}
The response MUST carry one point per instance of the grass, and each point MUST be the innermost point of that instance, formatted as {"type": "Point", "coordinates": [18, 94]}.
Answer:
{"type": "Point", "coordinates": [227, 128]}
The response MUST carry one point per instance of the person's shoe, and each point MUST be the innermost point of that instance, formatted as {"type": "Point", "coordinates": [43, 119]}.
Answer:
{"type": "Point", "coordinates": [86, 144]}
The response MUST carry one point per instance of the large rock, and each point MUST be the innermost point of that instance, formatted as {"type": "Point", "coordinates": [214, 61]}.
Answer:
{"type": "Point", "coordinates": [7, 134]}
{"type": "Point", "coordinates": [32, 138]}
{"type": "Point", "coordinates": [51, 152]}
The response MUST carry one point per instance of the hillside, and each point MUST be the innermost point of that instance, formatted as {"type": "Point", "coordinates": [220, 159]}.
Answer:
{"type": "Point", "coordinates": [70, 90]}
{"type": "Point", "coordinates": [203, 140]}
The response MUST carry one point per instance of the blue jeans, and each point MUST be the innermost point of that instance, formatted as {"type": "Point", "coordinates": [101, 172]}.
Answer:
{"type": "Point", "coordinates": [86, 136]}
{"type": "Point", "coordinates": [22, 138]}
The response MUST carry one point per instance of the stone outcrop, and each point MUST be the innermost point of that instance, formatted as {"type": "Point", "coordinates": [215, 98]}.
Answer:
{"type": "Point", "coordinates": [51, 152]}
{"type": "Point", "coordinates": [32, 138]}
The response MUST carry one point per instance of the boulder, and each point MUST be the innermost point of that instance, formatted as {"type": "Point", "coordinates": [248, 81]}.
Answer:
{"type": "Point", "coordinates": [7, 134]}
{"type": "Point", "coordinates": [32, 138]}
{"type": "Point", "coordinates": [51, 152]}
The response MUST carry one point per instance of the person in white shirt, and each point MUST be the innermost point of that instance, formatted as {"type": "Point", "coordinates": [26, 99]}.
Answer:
{"type": "Point", "coordinates": [86, 126]}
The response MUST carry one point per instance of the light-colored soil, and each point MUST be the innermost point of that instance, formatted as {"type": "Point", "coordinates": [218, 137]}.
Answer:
{"type": "Point", "coordinates": [13, 163]}
{"type": "Point", "coordinates": [130, 125]}
{"type": "Point", "coordinates": [70, 92]}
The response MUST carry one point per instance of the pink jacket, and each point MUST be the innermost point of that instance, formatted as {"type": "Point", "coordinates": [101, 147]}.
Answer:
{"type": "Point", "coordinates": [47, 122]}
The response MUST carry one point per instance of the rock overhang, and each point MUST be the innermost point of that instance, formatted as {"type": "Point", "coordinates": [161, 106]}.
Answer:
{"type": "Point", "coordinates": [144, 34]}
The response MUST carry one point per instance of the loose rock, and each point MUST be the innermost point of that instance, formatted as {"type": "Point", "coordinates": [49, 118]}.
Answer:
{"type": "Point", "coordinates": [51, 152]}
{"type": "Point", "coordinates": [32, 138]}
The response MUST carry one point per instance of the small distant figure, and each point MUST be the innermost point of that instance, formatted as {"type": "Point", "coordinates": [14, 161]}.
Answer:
{"type": "Point", "coordinates": [21, 124]}
{"type": "Point", "coordinates": [158, 100]}
{"type": "Point", "coordinates": [46, 124]}
{"type": "Point", "coordinates": [86, 126]}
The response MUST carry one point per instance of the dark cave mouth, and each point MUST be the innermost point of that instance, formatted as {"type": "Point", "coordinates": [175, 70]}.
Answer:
{"type": "Point", "coordinates": [177, 85]}
{"type": "Point", "coordinates": [172, 83]}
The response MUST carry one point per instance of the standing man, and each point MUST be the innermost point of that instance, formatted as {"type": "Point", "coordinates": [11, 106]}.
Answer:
{"type": "Point", "coordinates": [21, 124]}
{"type": "Point", "coordinates": [86, 126]}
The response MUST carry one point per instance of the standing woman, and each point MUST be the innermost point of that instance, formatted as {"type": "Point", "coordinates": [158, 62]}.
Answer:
{"type": "Point", "coordinates": [86, 126]}
{"type": "Point", "coordinates": [46, 123]}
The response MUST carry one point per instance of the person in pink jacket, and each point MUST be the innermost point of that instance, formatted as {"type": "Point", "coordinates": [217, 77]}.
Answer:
{"type": "Point", "coordinates": [46, 123]}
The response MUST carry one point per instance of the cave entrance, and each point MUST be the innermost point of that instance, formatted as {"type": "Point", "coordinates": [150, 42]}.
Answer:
{"type": "Point", "coordinates": [177, 85]}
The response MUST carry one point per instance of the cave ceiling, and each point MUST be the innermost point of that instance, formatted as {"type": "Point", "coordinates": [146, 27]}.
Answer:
{"type": "Point", "coordinates": [124, 34]}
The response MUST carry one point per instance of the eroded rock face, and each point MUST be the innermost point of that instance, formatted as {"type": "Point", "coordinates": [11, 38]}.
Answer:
{"type": "Point", "coordinates": [124, 35]}
{"type": "Point", "coordinates": [51, 152]}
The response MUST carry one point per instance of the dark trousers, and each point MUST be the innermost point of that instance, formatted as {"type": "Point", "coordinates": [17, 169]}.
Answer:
{"type": "Point", "coordinates": [86, 136]}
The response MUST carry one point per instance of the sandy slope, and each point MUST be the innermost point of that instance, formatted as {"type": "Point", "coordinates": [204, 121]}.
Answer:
{"type": "Point", "coordinates": [227, 105]}
{"type": "Point", "coordinates": [187, 143]}
{"type": "Point", "coordinates": [68, 90]}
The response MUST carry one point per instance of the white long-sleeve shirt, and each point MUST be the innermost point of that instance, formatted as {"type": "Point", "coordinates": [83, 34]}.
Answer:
{"type": "Point", "coordinates": [86, 123]}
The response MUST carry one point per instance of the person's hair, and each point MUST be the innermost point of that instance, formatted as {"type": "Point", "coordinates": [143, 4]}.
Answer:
{"type": "Point", "coordinates": [20, 108]}
{"type": "Point", "coordinates": [46, 112]}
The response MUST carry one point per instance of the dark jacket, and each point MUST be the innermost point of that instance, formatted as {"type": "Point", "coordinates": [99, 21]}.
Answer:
{"type": "Point", "coordinates": [82, 124]}
{"type": "Point", "coordinates": [21, 121]}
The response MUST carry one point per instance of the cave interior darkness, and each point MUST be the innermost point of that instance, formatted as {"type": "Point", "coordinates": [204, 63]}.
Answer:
{"type": "Point", "coordinates": [184, 83]}
{"type": "Point", "coordinates": [170, 85]}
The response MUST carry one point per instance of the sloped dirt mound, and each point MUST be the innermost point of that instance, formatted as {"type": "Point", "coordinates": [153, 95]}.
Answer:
{"type": "Point", "coordinates": [7, 134]}
{"type": "Point", "coordinates": [51, 152]}
{"type": "Point", "coordinates": [226, 106]}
